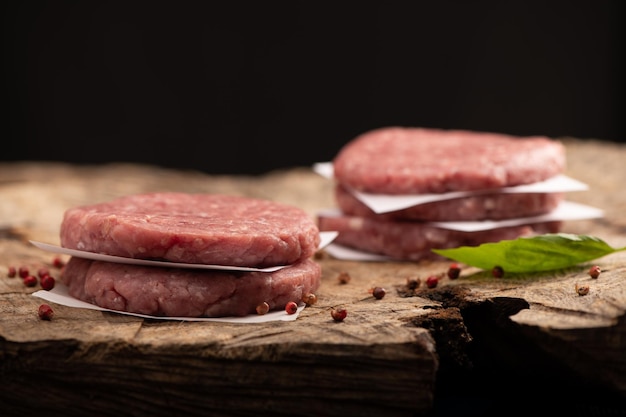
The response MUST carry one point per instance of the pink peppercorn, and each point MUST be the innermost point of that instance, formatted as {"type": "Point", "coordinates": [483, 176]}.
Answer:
{"type": "Point", "coordinates": [23, 271]}
{"type": "Point", "coordinates": [582, 289]}
{"type": "Point", "coordinates": [45, 312]}
{"type": "Point", "coordinates": [47, 282]}
{"type": "Point", "coordinates": [12, 272]}
{"type": "Point", "coordinates": [30, 280]}
{"type": "Point", "coordinates": [309, 299]}
{"type": "Point", "coordinates": [454, 271]}
{"type": "Point", "coordinates": [378, 292]}
{"type": "Point", "coordinates": [338, 314]}
{"type": "Point", "coordinates": [497, 271]}
{"type": "Point", "coordinates": [432, 281]}
{"type": "Point", "coordinates": [262, 308]}
{"type": "Point", "coordinates": [594, 271]}
{"type": "Point", "coordinates": [291, 307]}
{"type": "Point", "coordinates": [57, 262]}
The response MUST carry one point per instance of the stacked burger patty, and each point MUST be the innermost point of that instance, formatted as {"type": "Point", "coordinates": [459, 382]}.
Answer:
{"type": "Point", "coordinates": [395, 161]}
{"type": "Point", "coordinates": [240, 235]}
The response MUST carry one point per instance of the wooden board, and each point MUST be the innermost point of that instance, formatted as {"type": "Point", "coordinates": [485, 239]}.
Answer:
{"type": "Point", "coordinates": [410, 353]}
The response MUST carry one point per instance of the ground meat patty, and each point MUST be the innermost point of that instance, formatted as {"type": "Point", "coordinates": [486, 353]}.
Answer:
{"type": "Point", "coordinates": [493, 206]}
{"type": "Point", "coordinates": [178, 292]}
{"type": "Point", "coordinates": [398, 160]}
{"type": "Point", "coordinates": [193, 228]}
{"type": "Point", "coordinates": [413, 241]}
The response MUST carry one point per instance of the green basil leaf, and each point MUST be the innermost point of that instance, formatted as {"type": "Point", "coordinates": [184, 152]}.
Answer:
{"type": "Point", "coordinates": [532, 254]}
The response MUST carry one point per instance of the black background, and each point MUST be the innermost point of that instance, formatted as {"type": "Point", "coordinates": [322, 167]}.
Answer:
{"type": "Point", "coordinates": [248, 87]}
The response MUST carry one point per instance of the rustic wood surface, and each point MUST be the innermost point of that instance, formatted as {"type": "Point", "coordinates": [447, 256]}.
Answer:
{"type": "Point", "coordinates": [476, 343]}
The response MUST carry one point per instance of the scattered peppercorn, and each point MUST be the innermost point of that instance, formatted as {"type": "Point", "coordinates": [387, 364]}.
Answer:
{"type": "Point", "coordinates": [30, 280]}
{"type": "Point", "coordinates": [378, 292]}
{"type": "Point", "coordinates": [343, 278]}
{"type": "Point", "coordinates": [47, 282]}
{"type": "Point", "coordinates": [45, 312]}
{"type": "Point", "coordinates": [309, 299]}
{"type": "Point", "coordinates": [582, 289]}
{"type": "Point", "coordinates": [42, 272]}
{"type": "Point", "coordinates": [413, 283]}
{"type": "Point", "coordinates": [497, 271]}
{"type": "Point", "coordinates": [262, 308]}
{"type": "Point", "coordinates": [12, 272]}
{"type": "Point", "coordinates": [291, 307]}
{"type": "Point", "coordinates": [338, 314]}
{"type": "Point", "coordinates": [57, 262]}
{"type": "Point", "coordinates": [432, 281]}
{"type": "Point", "coordinates": [454, 271]}
{"type": "Point", "coordinates": [594, 271]}
{"type": "Point", "coordinates": [23, 271]}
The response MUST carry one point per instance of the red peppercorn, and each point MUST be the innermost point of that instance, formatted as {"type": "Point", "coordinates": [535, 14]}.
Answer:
{"type": "Point", "coordinates": [378, 292]}
{"type": "Point", "coordinates": [338, 314]}
{"type": "Point", "coordinates": [57, 262]}
{"type": "Point", "coordinates": [497, 271]}
{"type": "Point", "coordinates": [594, 271]}
{"type": "Point", "coordinates": [309, 299]}
{"type": "Point", "coordinates": [41, 272]}
{"type": "Point", "coordinates": [47, 282]}
{"type": "Point", "coordinates": [582, 289]}
{"type": "Point", "coordinates": [23, 271]}
{"type": "Point", "coordinates": [343, 277]}
{"type": "Point", "coordinates": [45, 312]}
{"type": "Point", "coordinates": [12, 272]}
{"type": "Point", "coordinates": [262, 308]}
{"type": "Point", "coordinates": [291, 307]}
{"type": "Point", "coordinates": [432, 281]}
{"type": "Point", "coordinates": [454, 271]}
{"type": "Point", "coordinates": [413, 283]}
{"type": "Point", "coordinates": [30, 280]}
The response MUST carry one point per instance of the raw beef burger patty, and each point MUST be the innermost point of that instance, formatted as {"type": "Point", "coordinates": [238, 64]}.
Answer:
{"type": "Point", "coordinates": [183, 292]}
{"type": "Point", "coordinates": [398, 160]}
{"type": "Point", "coordinates": [193, 228]}
{"type": "Point", "coordinates": [414, 241]}
{"type": "Point", "coordinates": [493, 206]}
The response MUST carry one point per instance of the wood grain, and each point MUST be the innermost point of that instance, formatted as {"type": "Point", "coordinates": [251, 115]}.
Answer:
{"type": "Point", "coordinates": [389, 357]}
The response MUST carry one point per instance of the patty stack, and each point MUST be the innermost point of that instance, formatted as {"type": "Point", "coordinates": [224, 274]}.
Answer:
{"type": "Point", "coordinates": [466, 173]}
{"type": "Point", "coordinates": [223, 241]}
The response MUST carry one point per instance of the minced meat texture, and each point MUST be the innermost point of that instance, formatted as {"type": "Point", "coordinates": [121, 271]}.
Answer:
{"type": "Point", "coordinates": [186, 292]}
{"type": "Point", "coordinates": [193, 228]}
{"type": "Point", "coordinates": [491, 206]}
{"type": "Point", "coordinates": [414, 241]}
{"type": "Point", "coordinates": [399, 160]}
